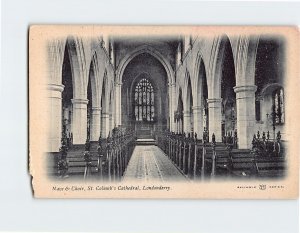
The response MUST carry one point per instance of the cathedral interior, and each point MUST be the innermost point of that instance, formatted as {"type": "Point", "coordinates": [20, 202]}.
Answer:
{"type": "Point", "coordinates": [175, 107]}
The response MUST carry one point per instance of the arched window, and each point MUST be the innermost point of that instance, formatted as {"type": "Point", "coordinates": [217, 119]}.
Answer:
{"type": "Point", "coordinates": [278, 103]}
{"type": "Point", "coordinates": [144, 101]}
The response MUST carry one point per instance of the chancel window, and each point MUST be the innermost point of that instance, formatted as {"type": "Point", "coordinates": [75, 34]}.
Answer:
{"type": "Point", "coordinates": [278, 105]}
{"type": "Point", "coordinates": [144, 101]}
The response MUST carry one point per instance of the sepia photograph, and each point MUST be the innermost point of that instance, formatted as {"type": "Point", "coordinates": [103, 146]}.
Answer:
{"type": "Point", "coordinates": [163, 111]}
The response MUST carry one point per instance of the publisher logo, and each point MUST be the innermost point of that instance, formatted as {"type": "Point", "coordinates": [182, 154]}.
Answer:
{"type": "Point", "coordinates": [262, 187]}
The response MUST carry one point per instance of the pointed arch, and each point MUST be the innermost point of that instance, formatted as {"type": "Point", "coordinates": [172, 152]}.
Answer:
{"type": "Point", "coordinates": [200, 80]}
{"type": "Point", "coordinates": [200, 110]}
{"type": "Point", "coordinates": [245, 59]}
{"type": "Point", "coordinates": [77, 60]}
{"type": "Point", "coordinates": [141, 56]}
{"type": "Point", "coordinates": [104, 93]}
{"type": "Point", "coordinates": [222, 44]}
{"type": "Point", "coordinates": [93, 81]}
{"type": "Point", "coordinates": [140, 50]}
{"type": "Point", "coordinates": [187, 92]}
{"type": "Point", "coordinates": [188, 104]}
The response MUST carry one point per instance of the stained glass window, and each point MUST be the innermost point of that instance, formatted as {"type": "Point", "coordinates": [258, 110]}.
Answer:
{"type": "Point", "coordinates": [278, 102]}
{"type": "Point", "coordinates": [144, 101]}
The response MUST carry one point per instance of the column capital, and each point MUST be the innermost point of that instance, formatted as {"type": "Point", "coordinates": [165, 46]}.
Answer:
{"type": "Point", "coordinates": [214, 100]}
{"type": "Point", "coordinates": [79, 101]}
{"type": "Point", "coordinates": [195, 108]}
{"type": "Point", "coordinates": [96, 108]}
{"type": "Point", "coordinates": [245, 88]}
{"type": "Point", "coordinates": [55, 87]}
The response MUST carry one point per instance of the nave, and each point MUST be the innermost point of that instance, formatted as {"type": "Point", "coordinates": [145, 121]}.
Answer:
{"type": "Point", "coordinates": [149, 163]}
{"type": "Point", "coordinates": [215, 105]}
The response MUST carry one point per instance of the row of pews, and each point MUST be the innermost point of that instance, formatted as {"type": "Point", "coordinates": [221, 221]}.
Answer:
{"type": "Point", "coordinates": [104, 160]}
{"type": "Point", "coordinates": [201, 159]}
{"type": "Point", "coordinates": [196, 158]}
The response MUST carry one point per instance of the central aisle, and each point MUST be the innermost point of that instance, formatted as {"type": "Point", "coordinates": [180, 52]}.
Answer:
{"type": "Point", "coordinates": [149, 163]}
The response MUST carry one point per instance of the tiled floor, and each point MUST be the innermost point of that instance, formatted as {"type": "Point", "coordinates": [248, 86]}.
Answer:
{"type": "Point", "coordinates": [149, 163]}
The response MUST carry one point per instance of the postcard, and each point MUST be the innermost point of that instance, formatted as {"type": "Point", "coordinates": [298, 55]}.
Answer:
{"type": "Point", "coordinates": [205, 112]}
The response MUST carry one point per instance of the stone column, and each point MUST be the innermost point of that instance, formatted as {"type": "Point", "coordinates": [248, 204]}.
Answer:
{"type": "Point", "coordinates": [79, 123]}
{"type": "Point", "coordinates": [95, 123]}
{"type": "Point", "coordinates": [55, 109]}
{"type": "Point", "coordinates": [198, 120]}
{"type": "Point", "coordinates": [118, 104]}
{"type": "Point", "coordinates": [187, 122]}
{"type": "Point", "coordinates": [172, 94]}
{"type": "Point", "coordinates": [105, 124]}
{"type": "Point", "coordinates": [245, 105]}
{"type": "Point", "coordinates": [215, 118]}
